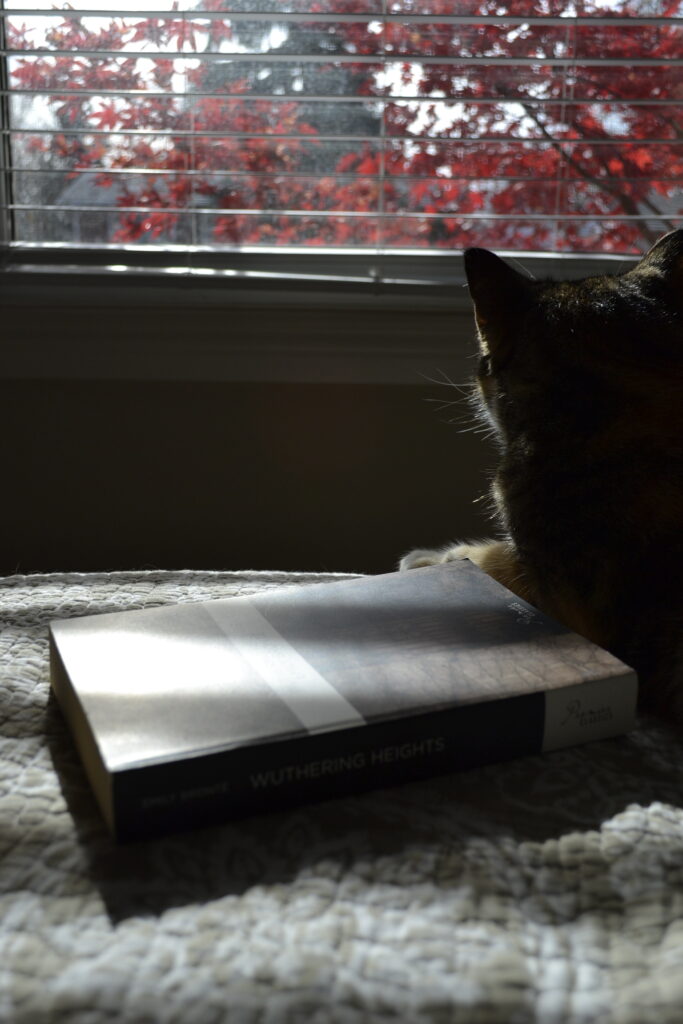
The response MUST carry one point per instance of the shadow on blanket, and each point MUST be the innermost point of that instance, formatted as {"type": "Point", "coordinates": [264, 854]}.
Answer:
{"type": "Point", "coordinates": [445, 830]}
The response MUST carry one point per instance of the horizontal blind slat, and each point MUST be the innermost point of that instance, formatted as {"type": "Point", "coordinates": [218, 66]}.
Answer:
{"type": "Point", "coordinates": [348, 58]}
{"type": "Point", "coordinates": [267, 176]}
{"type": "Point", "coordinates": [354, 214]}
{"type": "Point", "coordinates": [293, 137]}
{"type": "Point", "coordinates": [322, 17]}
{"type": "Point", "coordinates": [499, 101]}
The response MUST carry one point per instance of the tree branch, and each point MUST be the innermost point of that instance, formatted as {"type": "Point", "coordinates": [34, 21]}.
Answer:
{"type": "Point", "coordinates": [603, 184]}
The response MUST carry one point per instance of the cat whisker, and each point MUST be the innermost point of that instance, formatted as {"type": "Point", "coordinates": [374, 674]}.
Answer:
{"type": "Point", "coordinates": [447, 405]}
{"type": "Point", "coordinates": [478, 428]}
{"type": "Point", "coordinates": [446, 378]}
{"type": "Point", "coordinates": [446, 382]}
{"type": "Point", "coordinates": [481, 431]}
{"type": "Point", "coordinates": [444, 406]}
{"type": "Point", "coordinates": [464, 414]}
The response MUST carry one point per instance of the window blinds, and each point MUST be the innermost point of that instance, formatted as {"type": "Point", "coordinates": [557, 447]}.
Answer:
{"type": "Point", "coordinates": [376, 125]}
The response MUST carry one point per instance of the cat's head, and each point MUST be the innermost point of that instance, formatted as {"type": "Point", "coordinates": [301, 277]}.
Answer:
{"type": "Point", "coordinates": [558, 352]}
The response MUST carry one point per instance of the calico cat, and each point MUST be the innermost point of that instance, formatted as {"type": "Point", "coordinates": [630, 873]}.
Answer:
{"type": "Point", "coordinates": [583, 383]}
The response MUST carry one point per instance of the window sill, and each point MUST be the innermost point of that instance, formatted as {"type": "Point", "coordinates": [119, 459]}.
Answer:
{"type": "Point", "coordinates": [290, 318]}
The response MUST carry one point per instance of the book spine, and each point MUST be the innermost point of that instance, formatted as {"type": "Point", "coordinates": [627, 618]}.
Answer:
{"type": "Point", "coordinates": [215, 786]}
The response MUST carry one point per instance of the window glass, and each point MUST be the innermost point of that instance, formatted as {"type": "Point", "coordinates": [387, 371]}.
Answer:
{"type": "Point", "coordinates": [418, 125]}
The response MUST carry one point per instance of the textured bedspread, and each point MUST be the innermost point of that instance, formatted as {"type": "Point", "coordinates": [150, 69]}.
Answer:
{"type": "Point", "coordinates": [549, 889]}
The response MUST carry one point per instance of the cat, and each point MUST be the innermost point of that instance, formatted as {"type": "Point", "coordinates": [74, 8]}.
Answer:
{"type": "Point", "coordinates": [582, 382]}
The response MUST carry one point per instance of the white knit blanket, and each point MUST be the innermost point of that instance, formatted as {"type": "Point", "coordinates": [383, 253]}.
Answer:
{"type": "Point", "coordinates": [549, 889]}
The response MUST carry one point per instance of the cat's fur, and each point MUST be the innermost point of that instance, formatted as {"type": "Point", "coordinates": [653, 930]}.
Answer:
{"type": "Point", "coordinates": [583, 382]}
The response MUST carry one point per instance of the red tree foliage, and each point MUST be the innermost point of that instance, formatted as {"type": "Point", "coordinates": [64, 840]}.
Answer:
{"type": "Point", "coordinates": [509, 130]}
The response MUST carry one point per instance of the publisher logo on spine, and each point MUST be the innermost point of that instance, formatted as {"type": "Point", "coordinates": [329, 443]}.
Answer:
{"type": "Point", "coordinates": [574, 714]}
{"type": "Point", "coordinates": [585, 717]}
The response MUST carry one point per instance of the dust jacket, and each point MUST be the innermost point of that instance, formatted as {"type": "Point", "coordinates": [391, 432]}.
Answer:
{"type": "Point", "coordinates": [190, 714]}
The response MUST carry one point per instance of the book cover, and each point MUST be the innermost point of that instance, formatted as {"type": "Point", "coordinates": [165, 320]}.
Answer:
{"type": "Point", "coordinates": [190, 714]}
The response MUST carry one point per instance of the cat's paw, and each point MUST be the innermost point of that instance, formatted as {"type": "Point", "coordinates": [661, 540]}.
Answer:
{"type": "Point", "coordinates": [418, 558]}
{"type": "Point", "coordinates": [434, 556]}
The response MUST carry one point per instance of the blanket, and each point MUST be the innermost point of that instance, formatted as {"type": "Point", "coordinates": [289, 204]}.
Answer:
{"type": "Point", "coordinates": [547, 889]}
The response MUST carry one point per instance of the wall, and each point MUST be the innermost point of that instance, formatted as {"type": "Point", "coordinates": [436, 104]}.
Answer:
{"type": "Point", "coordinates": [107, 474]}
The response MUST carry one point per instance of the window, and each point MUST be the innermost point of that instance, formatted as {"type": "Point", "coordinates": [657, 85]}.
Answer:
{"type": "Point", "coordinates": [198, 133]}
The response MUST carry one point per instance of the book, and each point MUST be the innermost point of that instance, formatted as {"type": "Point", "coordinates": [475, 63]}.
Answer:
{"type": "Point", "coordinates": [190, 714]}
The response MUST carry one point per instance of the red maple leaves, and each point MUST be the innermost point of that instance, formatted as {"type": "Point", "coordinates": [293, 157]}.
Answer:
{"type": "Point", "coordinates": [508, 133]}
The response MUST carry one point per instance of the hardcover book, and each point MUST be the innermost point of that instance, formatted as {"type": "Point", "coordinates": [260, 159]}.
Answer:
{"type": "Point", "coordinates": [193, 713]}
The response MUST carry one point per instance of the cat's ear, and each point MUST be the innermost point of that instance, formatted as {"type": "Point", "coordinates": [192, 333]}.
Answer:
{"type": "Point", "coordinates": [498, 292]}
{"type": "Point", "coordinates": [665, 259]}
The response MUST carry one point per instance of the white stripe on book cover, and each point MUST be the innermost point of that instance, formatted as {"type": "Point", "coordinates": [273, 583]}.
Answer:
{"type": "Point", "coordinates": [307, 694]}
